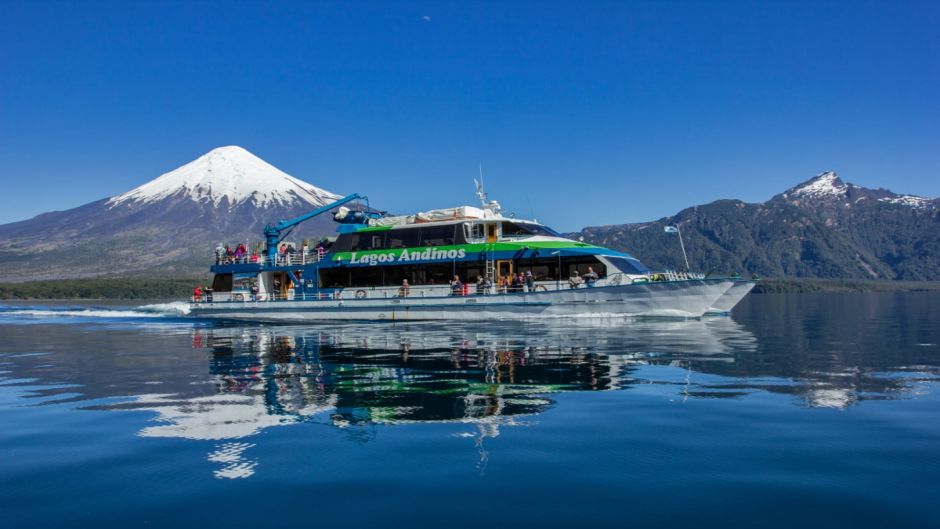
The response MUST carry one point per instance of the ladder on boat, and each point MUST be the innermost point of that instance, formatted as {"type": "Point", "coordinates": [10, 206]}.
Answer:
{"type": "Point", "coordinates": [490, 263]}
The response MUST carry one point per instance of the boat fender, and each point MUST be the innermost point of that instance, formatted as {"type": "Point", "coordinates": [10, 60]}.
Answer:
{"type": "Point", "coordinates": [361, 294]}
{"type": "Point", "coordinates": [540, 288]}
{"type": "Point", "coordinates": [238, 297]}
{"type": "Point", "coordinates": [638, 280]}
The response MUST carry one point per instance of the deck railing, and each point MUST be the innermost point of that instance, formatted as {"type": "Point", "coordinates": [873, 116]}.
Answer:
{"type": "Point", "coordinates": [420, 291]}
{"type": "Point", "coordinates": [288, 259]}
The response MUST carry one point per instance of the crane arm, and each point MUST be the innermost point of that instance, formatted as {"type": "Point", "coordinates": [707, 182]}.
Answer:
{"type": "Point", "coordinates": [272, 234]}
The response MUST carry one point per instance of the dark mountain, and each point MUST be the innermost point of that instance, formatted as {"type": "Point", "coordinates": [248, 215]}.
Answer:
{"type": "Point", "coordinates": [821, 228]}
{"type": "Point", "coordinates": [169, 225]}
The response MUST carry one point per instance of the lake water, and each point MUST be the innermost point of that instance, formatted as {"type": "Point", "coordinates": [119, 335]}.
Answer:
{"type": "Point", "coordinates": [796, 411]}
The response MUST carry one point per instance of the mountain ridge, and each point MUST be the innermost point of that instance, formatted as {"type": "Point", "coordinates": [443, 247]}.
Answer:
{"type": "Point", "coordinates": [821, 228]}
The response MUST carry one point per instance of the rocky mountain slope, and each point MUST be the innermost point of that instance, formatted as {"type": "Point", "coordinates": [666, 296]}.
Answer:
{"type": "Point", "coordinates": [169, 225]}
{"type": "Point", "coordinates": [823, 228]}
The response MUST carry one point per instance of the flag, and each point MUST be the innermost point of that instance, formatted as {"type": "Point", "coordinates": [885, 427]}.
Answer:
{"type": "Point", "coordinates": [671, 229]}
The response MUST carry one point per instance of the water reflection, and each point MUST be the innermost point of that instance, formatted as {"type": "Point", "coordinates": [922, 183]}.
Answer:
{"type": "Point", "coordinates": [226, 384]}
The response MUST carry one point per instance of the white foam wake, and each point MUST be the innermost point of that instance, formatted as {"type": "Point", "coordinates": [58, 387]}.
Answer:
{"type": "Point", "coordinates": [158, 310]}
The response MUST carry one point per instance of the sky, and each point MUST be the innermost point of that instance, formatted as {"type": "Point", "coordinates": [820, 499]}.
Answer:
{"type": "Point", "coordinates": [580, 113]}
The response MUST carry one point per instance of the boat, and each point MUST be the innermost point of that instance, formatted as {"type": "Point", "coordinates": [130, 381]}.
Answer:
{"type": "Point", "coordinates": [447, 264]}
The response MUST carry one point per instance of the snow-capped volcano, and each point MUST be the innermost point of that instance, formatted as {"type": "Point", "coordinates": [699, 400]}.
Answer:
{"type": "Point", "coordinates": [169, 224]}
{"type": "Point", "coordinates": [228, 176]}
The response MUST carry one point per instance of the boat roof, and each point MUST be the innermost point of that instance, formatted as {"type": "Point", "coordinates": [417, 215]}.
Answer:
{"type": "Point", "coordinates": [444, 216]}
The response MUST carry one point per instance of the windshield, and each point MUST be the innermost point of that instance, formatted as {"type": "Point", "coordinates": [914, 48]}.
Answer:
{"type": "Point", "coordinates": [628, 265]}
{"type": "Point", "coordinates": [519, 229]}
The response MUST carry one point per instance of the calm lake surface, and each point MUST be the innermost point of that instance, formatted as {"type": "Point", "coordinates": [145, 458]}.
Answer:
{"type": "Point", "coordinates": [796, 411]}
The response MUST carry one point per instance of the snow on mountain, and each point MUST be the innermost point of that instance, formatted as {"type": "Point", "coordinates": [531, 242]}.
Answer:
{"type": "Point", "coordinates": [908, 200]}
{"type": "Point", "coordinates": [823, 185]}
{"type": "Point", "coordinates": [232, 175]}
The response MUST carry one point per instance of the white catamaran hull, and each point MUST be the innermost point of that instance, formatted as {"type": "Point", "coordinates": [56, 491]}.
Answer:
{"type": "Point", "coordinates": [731, 297]}
{"type": "Point", "coordinates": [691, 298]}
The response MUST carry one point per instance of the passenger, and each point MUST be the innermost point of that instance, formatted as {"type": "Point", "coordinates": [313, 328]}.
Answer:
{"type": "Point", "coordinates": [518, 283]}
{"type": "Point", "coordinates": [282, 254]}
{"type": "Point", "coordinates": [456, 287]}
{"type": "Point", "coordinates": [529, 281]}
{"type": "Point", "coordinates": [229, 254]}
{"type": "Point", "coordinates": [239, 253]}
{"type": "Point", "coordinates": [591, 277]}
{"type": "Point", "coordinates": [197, 294]}
{"type": "Point", "coordinates": [254, 291]}
{"type": "Point", "coordinates": [254, 257]}
{"type": "Point", "coordinates": [219, 253]}
{"type": "Point", "coordinates": [404, 290]}
{"type": "Point", "coordinates": [484, 285]}
{"type": "Point", "coordinates": [575, 280]}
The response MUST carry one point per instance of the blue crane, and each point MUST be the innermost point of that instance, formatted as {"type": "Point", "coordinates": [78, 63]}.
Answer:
{"type": "Point", "coordinates": [273, 235]}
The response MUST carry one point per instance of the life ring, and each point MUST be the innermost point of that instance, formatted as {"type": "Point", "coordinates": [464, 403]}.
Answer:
{"type": "Point", "coordinates": [361, 294]}
{"type": "Point", "coordinates": [238, 297]}
{"type": "Point", "coordinates": [540, 288]}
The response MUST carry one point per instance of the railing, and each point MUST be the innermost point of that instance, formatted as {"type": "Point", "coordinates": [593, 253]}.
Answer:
{"type": "Point", "coordinates": [288, 259]}
{"type": "Point", "coordinates": [422, 291]}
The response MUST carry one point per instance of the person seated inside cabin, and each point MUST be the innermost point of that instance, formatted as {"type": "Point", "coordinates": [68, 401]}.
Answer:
{"type": "Point", "coordinates": [575, 280]}
{"type": "Point", "coordinates": [591, 277]}
{"type": "Point", "coordinates": [404, 290]}
{"type": "Point", "coordinates": [456, 287]}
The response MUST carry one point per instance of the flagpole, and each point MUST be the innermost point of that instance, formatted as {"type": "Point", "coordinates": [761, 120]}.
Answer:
{"type": "Point", "coordinates": [682, 245]}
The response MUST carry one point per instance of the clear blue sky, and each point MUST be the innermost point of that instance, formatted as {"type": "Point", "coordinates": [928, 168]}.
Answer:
{"type": "Point", "coordinates": [583, 113]}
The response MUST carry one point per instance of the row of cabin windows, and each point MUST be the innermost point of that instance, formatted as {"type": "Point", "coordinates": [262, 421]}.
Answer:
{"type": "Point", "coordinates": [447, 235]}
{"type": "Point", "coordinates": [544, 269]}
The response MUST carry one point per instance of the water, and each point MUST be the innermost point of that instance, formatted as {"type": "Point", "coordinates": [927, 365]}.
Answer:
{"type": "Point", "coordinates": [797, 411]}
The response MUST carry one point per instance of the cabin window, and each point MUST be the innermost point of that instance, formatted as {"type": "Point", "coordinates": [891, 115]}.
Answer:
{"type": "Point", "coordinates": [628, 265]}
{"type": "Point", "coordinates": [438, 236]}
{"type": "Point", "coordinates": [366, 241]}
{"type": "Point", "coordinates": [406, 238]}
{"type": "Point", "coordinates": [473, 232]}
{"type": "Point", "coordinates": [513, 229]}
{"type": "Point", "coordinates": [222, 283]}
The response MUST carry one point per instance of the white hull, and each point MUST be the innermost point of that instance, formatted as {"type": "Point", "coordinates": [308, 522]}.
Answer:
{"type": "Point", "coordinates": [691, 298]}
{"type": "Point", "coordinates": [732, 297]}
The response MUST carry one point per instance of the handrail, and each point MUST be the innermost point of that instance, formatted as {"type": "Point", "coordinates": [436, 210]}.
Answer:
{"type": "Point", "coordinates": [391, 293]}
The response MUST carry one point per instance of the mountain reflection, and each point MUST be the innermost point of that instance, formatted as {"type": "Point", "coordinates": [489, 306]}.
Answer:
{"type": "Point", "coordinates": [226, 384]}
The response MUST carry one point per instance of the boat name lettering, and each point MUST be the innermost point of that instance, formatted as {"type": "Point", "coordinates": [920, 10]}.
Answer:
{"type": "Point", "coordinates": [429, 254]}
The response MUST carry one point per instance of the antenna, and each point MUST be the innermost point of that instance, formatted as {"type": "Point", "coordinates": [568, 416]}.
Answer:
{"type": "Point", "coordinates": [481, 194]}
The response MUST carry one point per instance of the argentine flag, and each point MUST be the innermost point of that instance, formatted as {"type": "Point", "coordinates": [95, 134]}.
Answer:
{"type": "Point", "coordinates": [671, 229]}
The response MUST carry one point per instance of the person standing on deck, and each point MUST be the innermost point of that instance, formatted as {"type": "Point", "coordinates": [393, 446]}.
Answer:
{"type": "Point", "coordinates": [456, 287]}
{"type": "Point", "coordinates": [591, 277]}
